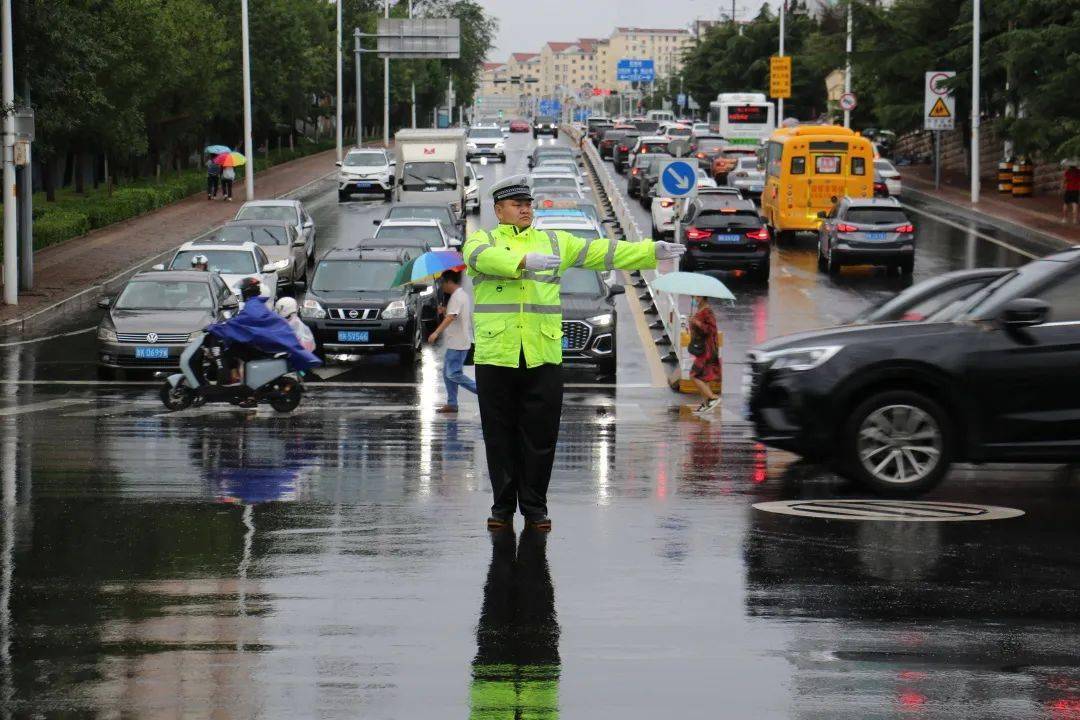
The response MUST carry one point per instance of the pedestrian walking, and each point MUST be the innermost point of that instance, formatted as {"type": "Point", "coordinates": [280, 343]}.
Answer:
{"type": "Point", "coordinates": [228, 175]}
{"type": "Point", "coordinates": [457, 326]}
{"type": "Point", "coordinates": [704, 346]}
{"type": "Point", "coordinates": [516, 271]}
{"type": "Point", "coordinates": [1071, 186]}
{"type": "Point", "coordinates": [213, 177]}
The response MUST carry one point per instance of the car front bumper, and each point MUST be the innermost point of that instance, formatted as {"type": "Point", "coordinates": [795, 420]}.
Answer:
{"type": "Point", "coordinates": [382, 335]}
{"type": "Point", "coordinates": [588, 344]}
{"type": "Point", "coordinates": [491, 152]}
{"type": "Point", "coordinates": [364, 185]}
{"type": "Point", "coordinates": [546, 130]}
{"type": "Point", "coordinates": [121, 356]}
{"type": "Point", "coordinates": [793, 411]}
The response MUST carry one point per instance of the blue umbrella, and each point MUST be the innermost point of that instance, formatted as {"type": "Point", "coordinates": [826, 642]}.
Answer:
{"type": "Point", "coordinates": [687, 283]}
{"type": "Point", "coordinates": [216, 149]}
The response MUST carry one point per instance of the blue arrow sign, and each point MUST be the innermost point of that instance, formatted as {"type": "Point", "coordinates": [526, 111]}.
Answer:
{"type": "Point", "coordinates": [679, 179]}
{"type": "Point", "coordinates": [632, 70]}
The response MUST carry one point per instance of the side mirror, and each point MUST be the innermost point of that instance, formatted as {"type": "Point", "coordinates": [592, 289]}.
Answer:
{"type": "Point", "coordinates": [230, 303]}
{"type": "Point", "coordinates": [1023, 313]}
{"type": "Point", "coordinates": [309, 223]}
{"type": "Point", "coordinates": [376, 222]}
{"type": "Point", "coordinates": [298, 243]}
{"type": "Point", "coordinates": [822, 214]}
{"type": "Point", "coordinates": [616, 290]}
{"type": "Point", "coordinates": [159, 266]}
{"type": "Point", "coordinates": [479, 177]}
{"type": "Point", "coordinates": [338, 163]}
{"type": "Point", "coordinates": [104, 302]}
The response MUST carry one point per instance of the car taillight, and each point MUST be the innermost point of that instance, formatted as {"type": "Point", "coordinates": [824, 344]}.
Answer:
{"type": "Point", "coordinates": [701, 156]}
{"type": "Point", "coordinates": [644, 149]}
{"type": "Point", "coordinates": [667, 202]}
{"type": "Point", "coordinates": [692, 233]}
{"type": "Point", "coordinates": [844, 227]}
{"type": "Point", "coordinates": [761, 235]}
{"type": "Point", "coordinates": [623, 148]}
{"type": "Point", "coordinates": [635, 171]}
{"type": "Point", "coordinates": [909, 228]}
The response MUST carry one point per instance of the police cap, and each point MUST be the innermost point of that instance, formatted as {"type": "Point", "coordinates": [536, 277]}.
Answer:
{"type": "Point", "coordinates": [515, 187]}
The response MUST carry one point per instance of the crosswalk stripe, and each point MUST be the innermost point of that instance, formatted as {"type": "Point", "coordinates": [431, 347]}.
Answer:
{"type": "Point", "coordinates": [41, 406]}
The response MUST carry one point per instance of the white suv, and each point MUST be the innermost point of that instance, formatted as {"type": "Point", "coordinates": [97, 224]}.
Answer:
{"type": "Point", "coordinates": [486, 142]}
{"type": "Point", "coordinates": [366, 170]}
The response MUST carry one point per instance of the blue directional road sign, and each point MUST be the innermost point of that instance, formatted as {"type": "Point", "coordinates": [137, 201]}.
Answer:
{"type": "Point", "coordinates": [681, 100]}
{"type": "Point", "coordinates": [630, 70]}
{"type": "Point", "coordinates": [550, 107]}
{"type": "Point", "coordinates": [679, 179]}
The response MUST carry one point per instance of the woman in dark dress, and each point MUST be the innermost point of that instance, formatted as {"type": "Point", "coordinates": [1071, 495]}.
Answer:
{"type": "Point", "coordinates": [706, 366]}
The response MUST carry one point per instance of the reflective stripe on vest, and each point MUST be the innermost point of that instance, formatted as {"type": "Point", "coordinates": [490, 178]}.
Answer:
{"type": "Point", "coordinates": [525, 275]}
{"type": "Point", "coordinates": [482, 308]}
{"type": "Point", "coordinates": [479, 249]}
{"type": "Point", "coordinates": [554, 242]}
{"type": "Point", "coordinates": [580, 261]}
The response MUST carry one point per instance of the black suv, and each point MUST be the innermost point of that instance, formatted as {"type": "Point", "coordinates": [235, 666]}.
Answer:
{"type": "Point", "coordinates": [589, 320]}
{"type": "Point", "coordinates": [638, 184]}
{"type": "Point", "coordinates": [352, 307]}
{"type": "Point", "coordinates": [893, 404]}
{"type": "Point", "coordinates": [727, 236]}
{"type": "Point", "coordinates": [545, 125]}
{"type": "Point", "coordinates": [620, 151]}
{"type": "Point", "coordinates": [866, 231]}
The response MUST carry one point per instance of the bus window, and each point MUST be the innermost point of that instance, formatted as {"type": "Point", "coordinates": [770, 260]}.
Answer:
{"type": "Point", "coordinates": [798, 165]}
{"type": "Point", "coordinates": [776, 151]}
{"type": "Point", "coordinates": [858, 166]}
{"type": "Point", "coordinates": [827, 164]}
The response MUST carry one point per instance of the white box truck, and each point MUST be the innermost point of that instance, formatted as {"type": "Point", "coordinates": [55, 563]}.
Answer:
{"type": "Point", "coordinates": [431, 167]}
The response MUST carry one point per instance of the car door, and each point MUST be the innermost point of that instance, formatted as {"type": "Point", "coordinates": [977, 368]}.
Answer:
{"type": "Point", "coordinates": [298, 250]}
{"type": "Point", "coordinates": [1026, 384]}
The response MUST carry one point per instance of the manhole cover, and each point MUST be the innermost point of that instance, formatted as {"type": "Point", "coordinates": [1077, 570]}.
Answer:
{"type": "Point", "coordinates": [889, 510]}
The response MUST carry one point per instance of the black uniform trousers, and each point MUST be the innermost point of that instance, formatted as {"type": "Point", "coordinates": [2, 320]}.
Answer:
{"type": "Point", "coordinates": [520, 410]}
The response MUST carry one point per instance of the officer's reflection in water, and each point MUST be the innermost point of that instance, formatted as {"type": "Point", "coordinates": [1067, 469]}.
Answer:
{"type": "Point", "coordinates": [516, 670]}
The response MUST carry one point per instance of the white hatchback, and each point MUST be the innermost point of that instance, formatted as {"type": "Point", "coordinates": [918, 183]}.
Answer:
{"type": "Point", "coordinates": [890, 175]}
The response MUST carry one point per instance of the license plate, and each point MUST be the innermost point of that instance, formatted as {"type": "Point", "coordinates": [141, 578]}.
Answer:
{"type": "Point", "coordinates": [151, 353]}
{"type": "Point", "coordinates": [565, 343]}
{"type": "Point", "coordinates": [728, 238]}
{"type": "Point", "coordinates": [364, 184]}
{"type": "Point", "coordinates": [352, 336]}
{"type": "Point", "coordinates": [875, 236]}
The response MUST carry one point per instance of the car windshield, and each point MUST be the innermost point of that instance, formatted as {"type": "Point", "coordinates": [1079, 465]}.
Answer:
{"type": "Point", "coordinates": [554, 182]}
{"type": "Point", "coordinates": [560, 165]}
{"type": "Point", "coordinates": [576, 281]}
{"type": "Point", "coordinates": [553, 153]}
{"type": "Point", "coordinates": [423, 235]}
{"type": "Point", "coordinates": [165, 295]}
{"type": "Point", "coordinates": [227, 262]}
{"type": "Point", "coordinates": [429, 175]}
{"type": "Point", "coordinates": [709, 145]}
{"type": "Point", "coordinates": [419, 212]}
{"type": "Point", "coordinates": [285, 213]}
{"type": "Point", "coordinates": [614, 135]}
{"type": "Point", "coordinates": [876, 216]}
{"type": "Point", "coordinates": [486, 133]}
{"type": "Point", "coordinates": [739, 220]}
{"type": "Point", "coordinates": [365, 159]}
{"type": "Point", "coordinates": [267, 236]}
{"type": "Point", "coordinates": [647, 127]}
{"type": "Point", "coordinates": [353, 275]}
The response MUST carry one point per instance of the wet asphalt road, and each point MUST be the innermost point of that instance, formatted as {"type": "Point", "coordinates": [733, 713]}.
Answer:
{"type": "Point", "coordinates": [332, 563]}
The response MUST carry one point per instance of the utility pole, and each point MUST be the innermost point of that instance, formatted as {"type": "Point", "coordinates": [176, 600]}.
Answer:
{"type": "Point", "coordinates": [414, 87]}
{"type": "Point", "coordinates": [976, 33]}
{"type": "Point", "coordinates": [11, 250]}
{"type": "Point", "coordinates": [340, 91]}
{"type": "Point", "coordinates": [847, 68]}
{"type": "Point", "coordinates": [780, 101]}
{"type": "Point", "coordinates": [386, 87]}
{"type": "Point", "coordinates": [359, 80]}
{"type": "Point", "coordinates": [249, 149]}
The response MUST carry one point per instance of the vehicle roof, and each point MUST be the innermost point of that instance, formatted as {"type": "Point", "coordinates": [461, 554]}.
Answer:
{"type": "Point", "coordinates": [260, 223]}
{"type": "Point", "coordinates": [204, 245]}
{"type": "Point", "coordinates": [889, 202]}
{"type": "Point", "coordinates": [652, 138]}
{"type": "Point", "coordinates": [271, 203]}
{"type": "Point", "coordinates": [540, 173]}
{"type": "Point", "coordinates": [366, 149]}
{"type": "Point", "coordinates": [181, 275]}
{"type": "Point", "coordinates": [366, 250]}
{"type": "Point", "coordinates": [410, 222]}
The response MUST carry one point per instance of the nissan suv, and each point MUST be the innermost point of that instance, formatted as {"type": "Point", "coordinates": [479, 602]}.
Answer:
{"type": "Point", "coordinates": [545, 125]}
{"type": "Point", "coordinates": [353, 307]}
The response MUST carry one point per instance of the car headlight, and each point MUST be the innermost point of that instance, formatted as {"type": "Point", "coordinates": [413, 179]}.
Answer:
{"type": "Point", "coordinates": [601, 320]}
{"type": "Point", "coordinates": [799, 359]}
{"type": "Point", "coordinates": [471, 146]}
{"type": "Point", "coordinates": [104, 334]}
{"type": "Point", "coordinates": [312, 309]}
{"type": "Point", "coordinates": [396, 311]}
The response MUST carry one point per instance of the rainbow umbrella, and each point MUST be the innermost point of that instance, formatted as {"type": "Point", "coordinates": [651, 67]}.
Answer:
{"type": "Point", "coordinates": [428, 267]}
{"type": "Point", "coordinates": [230, 159]}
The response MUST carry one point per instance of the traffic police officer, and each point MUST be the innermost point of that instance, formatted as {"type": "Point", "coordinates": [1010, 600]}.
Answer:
{"type": "Point", "coordinates": [516, 270]}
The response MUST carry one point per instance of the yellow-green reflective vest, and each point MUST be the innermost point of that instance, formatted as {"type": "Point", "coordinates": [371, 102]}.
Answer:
{"type": "Point", "coordinates": [519, 311]}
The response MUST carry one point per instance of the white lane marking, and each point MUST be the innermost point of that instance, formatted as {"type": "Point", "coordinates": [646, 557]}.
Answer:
{"type": "Point", "coordinates": [310, 386]}
{"type": "Point", "coordinates": [117, 409]}
{"type": "Point", "coordinates": [40, 406]}
{"type": "Point", "coordinates": [976, 233]}
{"type": "Point", "coordinates": [48, 337]}
{"type": "Point", "coordinates": [888, 510]}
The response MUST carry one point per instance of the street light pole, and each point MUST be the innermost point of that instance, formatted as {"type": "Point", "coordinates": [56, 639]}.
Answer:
{"type": "Point", "coordinates": [11, 251]}
{"type": "Point", "coordinates": [847, 68]}
{"type": "Point", "coordinates": [975, 111]}
{"type": "Point", "coordinates": [359, 80]}
{"type": "Point", "coordinates": [249, 150]}
{"type": "Point", "coordinates": [413, 94]}
{"type": "Point", "coordinates": [340, 91]}
{"type": "Point", "coordinates": [386, 88]}
{"type": "Point", "coordinates": [780, 101]}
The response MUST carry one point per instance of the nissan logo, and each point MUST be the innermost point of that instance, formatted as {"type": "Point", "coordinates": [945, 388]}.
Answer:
{"type": "Point", "coordinates": [151, 337]}
{"type": "Point", "coordinates": [353, 314]}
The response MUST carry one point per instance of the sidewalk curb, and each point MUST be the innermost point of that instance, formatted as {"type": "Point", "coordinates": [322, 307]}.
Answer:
{"type": "Point", "coordinates": [1052, 243]}
{"type": "Point", "coordinates": [86, 298]}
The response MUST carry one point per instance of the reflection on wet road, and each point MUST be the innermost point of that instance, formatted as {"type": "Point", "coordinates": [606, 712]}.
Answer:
{"type": "Point", "coordinates": [333, 563]}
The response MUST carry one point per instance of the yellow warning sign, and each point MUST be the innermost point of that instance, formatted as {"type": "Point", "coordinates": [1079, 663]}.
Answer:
{"type": "Point", "coordinates": [940, 110]}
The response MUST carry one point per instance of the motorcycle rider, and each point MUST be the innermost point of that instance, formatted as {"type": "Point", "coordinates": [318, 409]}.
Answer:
{"type": "Point", "coordinates": [287, 308]}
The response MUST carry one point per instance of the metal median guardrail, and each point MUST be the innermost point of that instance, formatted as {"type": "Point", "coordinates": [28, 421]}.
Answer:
{"type": "Point", "coordinates": [667, 305]}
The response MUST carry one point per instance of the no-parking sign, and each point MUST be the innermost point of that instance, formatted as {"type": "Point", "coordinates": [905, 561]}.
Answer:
{"type": "Point", "coordinates": [939, 105]}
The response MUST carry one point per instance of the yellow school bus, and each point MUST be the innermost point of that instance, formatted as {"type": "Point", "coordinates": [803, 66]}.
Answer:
{"type": "Point", "coordinates": [806, 166]}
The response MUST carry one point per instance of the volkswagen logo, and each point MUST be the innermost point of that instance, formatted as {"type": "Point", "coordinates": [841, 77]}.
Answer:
{"type": "Point", "coordinates": [354, 314]}
{"type": "Point", "coordinates": [151, 337]}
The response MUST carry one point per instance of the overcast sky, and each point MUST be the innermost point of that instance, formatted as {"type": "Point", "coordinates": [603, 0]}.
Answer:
{"type": "Point", "coordinates": [525, 25]}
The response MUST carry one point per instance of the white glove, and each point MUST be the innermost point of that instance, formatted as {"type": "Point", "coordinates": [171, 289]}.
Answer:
{"type": "Point", "coordinates": [668, 251]}
{"type": "Point", "coordinates": [540, 261]}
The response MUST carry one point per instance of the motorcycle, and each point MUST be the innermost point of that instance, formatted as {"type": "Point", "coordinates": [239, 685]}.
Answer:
{"type": "Point", "coordinates": [203, 378]}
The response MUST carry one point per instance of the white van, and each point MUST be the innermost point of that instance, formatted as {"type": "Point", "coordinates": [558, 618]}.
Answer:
{"type": "Point", "coordinates": [660, 116]}
{"type": "Point", "coordinates": [431, 168]}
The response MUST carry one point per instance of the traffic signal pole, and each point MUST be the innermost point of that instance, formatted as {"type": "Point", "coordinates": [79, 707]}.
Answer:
{"type": "Point", "coordinates": [11, 250]}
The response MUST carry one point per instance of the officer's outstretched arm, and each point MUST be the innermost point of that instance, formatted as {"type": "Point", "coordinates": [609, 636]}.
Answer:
{"type": "Point", "coordinates": [484, 257]}
{"type": "Point", "coordinates": [606, 254]}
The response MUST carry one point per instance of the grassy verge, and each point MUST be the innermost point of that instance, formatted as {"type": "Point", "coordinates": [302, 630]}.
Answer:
{"type": "Point", "coordinates": [72, 214]}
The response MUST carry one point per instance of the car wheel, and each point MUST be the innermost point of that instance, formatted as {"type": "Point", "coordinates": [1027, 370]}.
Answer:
{"type": "Point", "coordinates": [832, 264]}
{"type": "Point", "coordinates": [342, 196]}
{"type": "Point", "coordinates": [898, 443]}
{"type": "Point", "coordinates": [176, 398]}
{"type": "Point", "coordinates": [555, 135]}
{"type": "Point", "coordinates": [822, 264]}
